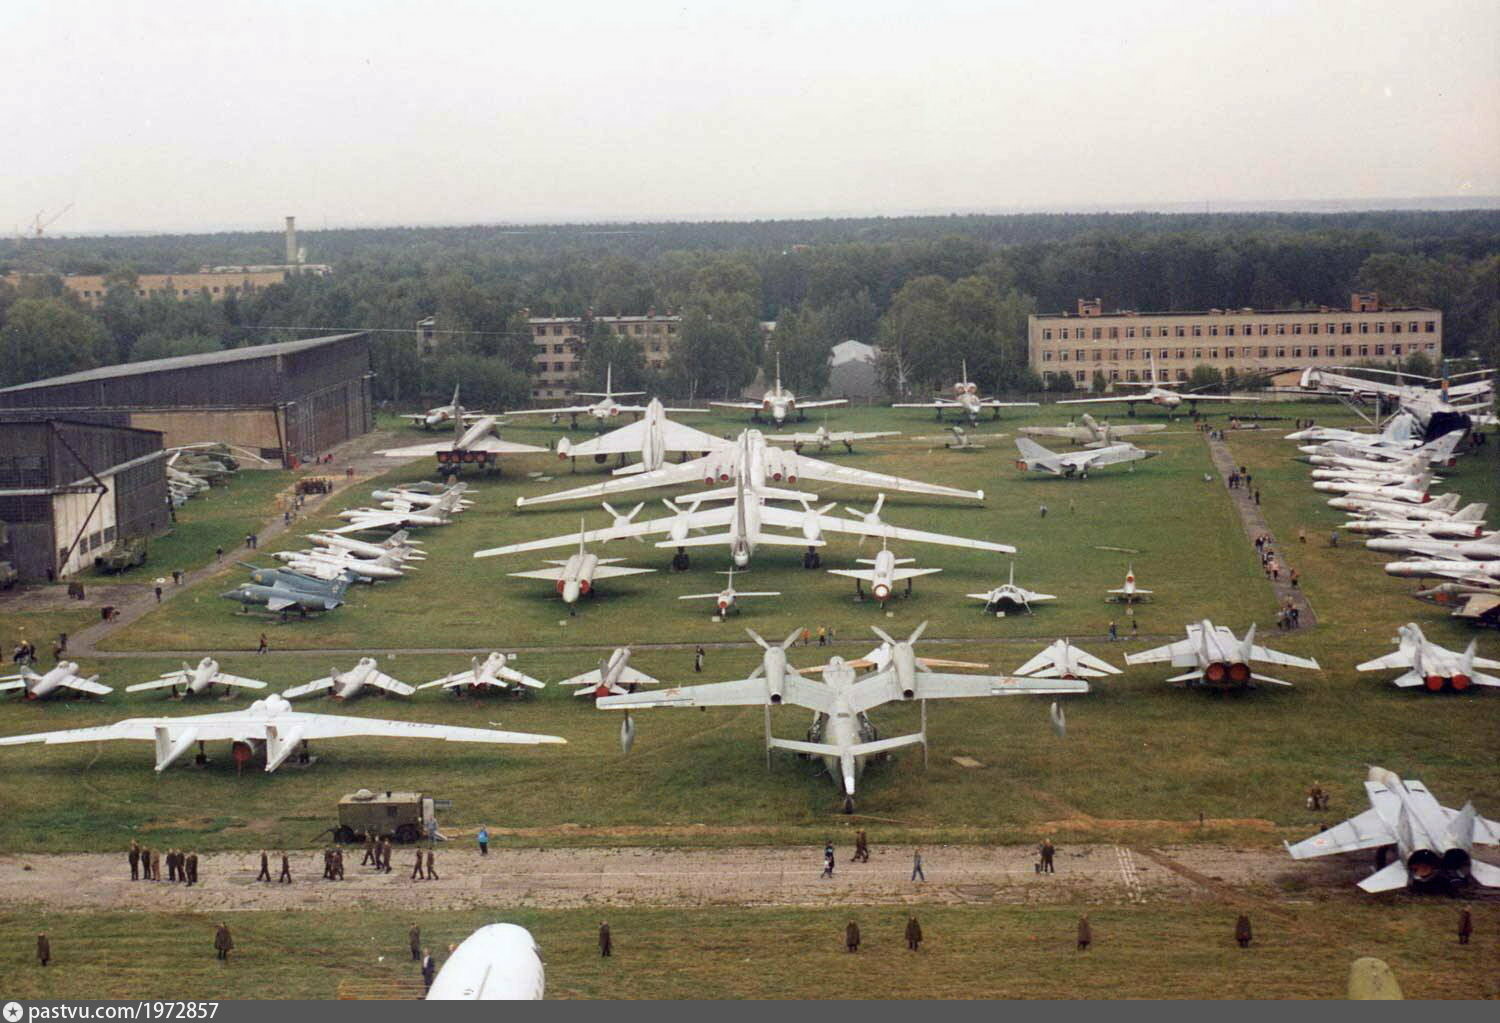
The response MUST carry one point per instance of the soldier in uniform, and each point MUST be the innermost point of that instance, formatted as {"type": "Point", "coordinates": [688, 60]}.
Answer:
{"type": "Point", "coordinates": [338, 864]}
{"type": "Point", "coordinates": [1085, 933]}
{"type": "Point", "coordinates": [190, 865]}
{"type": "Point", "coordinates": [416, 868]}
{"type": "Point", "coordinates": [861, 847]}
{"type": "Point", "coordinates": [135, 861]}
{"type": "Point", "coordinates": [286, 870]}
{"type": "Point", "coordinates": [1465, 925]}
{"type": "Point", "coordinates": [851, 936]}
{"type": "Point", "coordinates": [265, 867]}
{"type": "Point", "coordinates": [328, 864]}
{"type": "Point", "coordinates": [384, 854]}
{"type": "Point", "coordinates": [414, 938]}
{"type": "Point", "coordinates": [1047, 850]}
{"type": "Point", "coordinates": [155, 865]}
{"type": "Point", "coordinates": [432, 874]}
{"type": "Point", "coordinates": [913, 933]}
{"type": "Point", "coordinates": [1242, 932]}
{"type": "Point", "coordinates": [223, 943]}
{"type": "Point", "coordinates": [369, 852]}
{"type": "Point", "coordinates": [43, 949]}
{"type": "Point", "coordinates": [172, 866]}
{"type": "Point", "coordinates": [606, 944]}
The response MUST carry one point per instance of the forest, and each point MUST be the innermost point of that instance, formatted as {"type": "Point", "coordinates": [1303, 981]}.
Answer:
{"type": "Point", "coordinates": [927, 291]}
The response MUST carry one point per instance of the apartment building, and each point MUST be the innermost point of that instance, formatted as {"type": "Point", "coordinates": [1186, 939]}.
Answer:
{"type": "Point", "coordinates": [558, 343]}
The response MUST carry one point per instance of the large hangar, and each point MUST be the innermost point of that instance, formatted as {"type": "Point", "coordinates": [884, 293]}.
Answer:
{"type": "Point", "coordinates": [293, 399]}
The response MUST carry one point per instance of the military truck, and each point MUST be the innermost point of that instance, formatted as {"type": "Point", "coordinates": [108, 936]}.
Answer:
{"type": "Point", "coordinates": [404, 816]}
{"type": "Point", "coordinates": [127, 553]}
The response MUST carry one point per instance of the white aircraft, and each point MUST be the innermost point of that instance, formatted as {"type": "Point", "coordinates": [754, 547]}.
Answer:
{"type": "Point", "coordinates": [398, 543]}
{"type": "Point", "coordinates": [1445, 507]}
{"type": "Point", "coordinates": [476, 444]}
{"type": "Point", "coordinates": [1089, 433]}
{"type": "Point", "coordinates": [653, 437]}
{"type": "Point", "coordinates": [574, 576]}
{"type": "Point", "coordinates": [451, 497]}
{"type": "Point", "coordinates": [1420, 400]}
{"type": "Point", "coordinates": [442, 414]}
{"type": "Point", "coordinates": [1035, 457]}
{"type": "Point", "coordinates": [494, 672]}
{"type": "Point", "coordinates": [759, 465]}
{"type": "Point", "coordinates": [343, 685]}
{"type": "Point", "coordinates": [779, 404]}
{"type": "Point", "coordinates": [498, 962]}
{"type": "Point", "coordinates": [324, 565]}
{"type": "Point", "coordinates": [614, 675]}
{"type": "Point", "coordinates": [1433, 843]}
{"type": "Point", "coordinates": [401, 514]}
{"type": "Point", "coordinates": [1445, 569]}
{"type": "Point", "coordinates": [1010, 596]}
{"type": "Point", "coordinates": [63, 675]}
{"type": "Point", "coordinates": [269, 725]}
{"type": "Point", "coordinates": [1399, 474]}
{"type": "Point", "coordinates": [1484, 549]}
{"type": "Point", "coordinates": [884, 572]}
{"type": "Point", "coordinates": [199, 679]}
{"type": "Point", "coordinates": [965, 441]}
{"type": "Point", "coordinates": [1157, 392]}
{"type": "Point", "coordinates": [1431, 666]}
{"type": "Point", "coordinates": [1218, 659]}
{"type": "Point", "coordinates": [1463, 529]}
{"type": "Point", "coordinates": [727, 599]}
{"type": "Point", "coordinates": [1412, 490]}
{"type": "Point", "coordinates": [825, 438]}
{"type": "Point", "coordinates": [966, 400]}
{"type": "Point", "coordinates": [1400, 431]}
{"type": "Point", "coordinates": [1064, 660]}
{"type": "Point", "coordinates": [601, 411]}
{"type": "Point", "coordinates": [842, 734]}
{"type": "Point", "coordinates": [1130, 593]}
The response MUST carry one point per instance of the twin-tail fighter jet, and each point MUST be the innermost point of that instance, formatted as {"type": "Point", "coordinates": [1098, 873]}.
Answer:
{"type": "Point", "coordinates": [966, 401]}
{"type": "Point", "coordinates": [1430, 666]}
{"type": "Point", "coordinates": [842, 735]}
{"type": "Point", "coordinates": [63, 677]}
{"type": "Point", "coordinates": [197, 679]}
{"type": "Point", "coordinates": [575, 575]}
{"type": "Point", "coordinates": [493, 673]}
{"type": "Point", "coordinates": [1033, 457]}
{"type": "Point", "coordinates": [728, 599]}
{"type": "Point", "coordinates": [1218, 660]}
{"type": "Point", "coordinates": [342, 685]}
{"type": "Point", "coordinates": [653, 437]}
{"type": "Point", "coordinates": [1433, 844]}
{"type": "Point", "coordinates": [270, 727]}
{"type": "Point", "coordinates": [779, 404]}
{"type": "Point", "coordinates": [473, 445]}
{"type": "Point", "coordinates": [1089, 433]}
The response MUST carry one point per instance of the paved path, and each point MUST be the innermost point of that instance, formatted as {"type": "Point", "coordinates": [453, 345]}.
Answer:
{"type": "Point", "coordinates": [1243, 499]}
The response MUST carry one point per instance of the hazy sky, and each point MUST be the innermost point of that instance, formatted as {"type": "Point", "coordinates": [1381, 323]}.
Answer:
{"type": "Point", "coordinates": [172, 115]}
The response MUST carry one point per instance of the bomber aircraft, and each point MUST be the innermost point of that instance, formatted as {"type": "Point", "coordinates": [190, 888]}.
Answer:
{"type": "Point", "coordinates": [653, 437]}
{"type": "Point", "coordinates": [1091, 434]}
{"type": "Point", "coordinates": [1218, 660]}
{"type": "Point", "coordinates": [1160, 393]}
{"type": "Point", "coordinates": [476, 445]}
{"type": "Point", "coordinates": [825, 438]}
{"type": "Point", "coordinates": [1433, 667]}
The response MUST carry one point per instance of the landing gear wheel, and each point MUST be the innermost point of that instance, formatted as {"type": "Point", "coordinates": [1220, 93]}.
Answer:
{"type": "Point", "coordinates": [681, 562]}
{"type": "Point", "coordinates": [848, 804]}
{"type": "Point", "coordinates": [407, 834]}
{"type": "Point", "coordinates": [811, 560]}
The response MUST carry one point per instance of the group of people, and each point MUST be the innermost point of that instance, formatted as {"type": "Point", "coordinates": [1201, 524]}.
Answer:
{"type": "Point", "coordinates": [377, 853]}
{"type": "Point", "coordinates": [286, 868]}
{"type": "Point", "coordinates": [862, 855]}
{"type": "Point", "coordinates": [24, 653]}
{"type": "Point", "coordinates": [145, 865]}
{"type": "Point", "coordinates": [913, 935]}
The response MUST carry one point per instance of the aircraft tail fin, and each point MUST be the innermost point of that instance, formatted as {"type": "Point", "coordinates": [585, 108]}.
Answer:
{"type": "Point", "coordinates": [1470, 513]}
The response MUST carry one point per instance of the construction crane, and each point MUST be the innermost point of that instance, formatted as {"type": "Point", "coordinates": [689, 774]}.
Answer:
{"type": "Point", "coordinates": [40, 225]}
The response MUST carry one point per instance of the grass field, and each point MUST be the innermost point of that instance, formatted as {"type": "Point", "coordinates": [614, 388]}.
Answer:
{"type": "Point", "coordinates": [1152, 951]}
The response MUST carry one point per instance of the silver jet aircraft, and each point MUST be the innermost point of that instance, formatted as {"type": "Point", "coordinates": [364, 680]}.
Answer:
{"type": "Point", "coordinates": [966, 400]}
{"type": "Point", "coordinates": [885, 571]}
{"type": "Point", "coordinates": [343, 685]}
{"type": "Point", "coordinates": [442, 414]}
{"type": "Point", "coordinates": [400, 514]}
{"type": "Point", "coordinates": [494, 672]}
{"type": "Point", "coordinates": [398, 543]}
{"type": "Point", "coordinates": [727, 599]}
{"type": "Point", "coordinates": [1032, 456]}
{"type": "Point", "coordinates": [842, 734]}
{"type": "Point", "coordinates": [1445, 569]}
{"type": "Point", "coordinates": [1160, 393]}
{"type": "Point", "coordinates": [1130, 593]}
{"type": "Point", "coordinates": [574, 576]}
{"type": "Point", "coordinates": [653, 437]}
{"type": "Point", "coordinates": [601, 411]}
{"type": "Point", "coordinates": [1091, 434]}
{"type": "Point", "coordinates": [62, 676]}
{"type": "Point", "coordinates": [825, 438]}
{"type": "Point", "coordinates": [1486, 548]}
{"type": "Point", "coordinates": [1218, 660]}
{"type": "Point", "coordinates": [1434, 845]}
{"type": "Point", "coordinates": [1010, 596]}
{"type": "Point", "coordinates": [268, 726]}
{"type": "Point", "coordinates": [199, 678]}
{"type": "Point", "coordinates": [476, 445]}
{"type": "Point", "coordinates": [614, 675]}
{"type": "Point", "coordinates": [1433, 667]}
{"type": "Point", "coordinates": [779, 404]}
{"type": "Point", "coordinates": [1064, 660]}
{"type": "Point", "coordinates": [322, 564]}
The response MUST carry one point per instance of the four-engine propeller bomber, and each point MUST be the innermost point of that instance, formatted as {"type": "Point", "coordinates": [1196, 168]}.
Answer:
{"type": "Point", "coordinates": [269, 726]}
{"type": "Point", "coordinates": [1433, 667]}
{"type": "Point", "coordinates": [1218, 659]}
{"type": "Point", "coordinates": [1433, 844]}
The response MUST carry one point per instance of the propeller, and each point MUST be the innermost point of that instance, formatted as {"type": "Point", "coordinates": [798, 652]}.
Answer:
{"type": "Point", "coordinates": [1059, 720]}
{"type": "Point", "coordinates": [625, 519]}
{"type": "Point", "coordinates": [627, 733]}
{"type": "Point", "coordinates": [871, 519]}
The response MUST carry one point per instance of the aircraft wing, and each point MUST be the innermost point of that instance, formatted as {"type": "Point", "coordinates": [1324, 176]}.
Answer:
{"type": "Point", "coordinates": [1103, 401]}
{"type": "Point", "coordinates": [754, 406]}
{"type": "Point", "coordinates": [719, 516]}
{"type": "Point", "coordinates": [1066, 432]}
{"type": "Point", "coordinates": [417, 450]}
{"type": "Point", "coordinates": [1395, 659]}
{"type": "Point", "coordinates": [823, 403]}
{"type": "Point", "coordinates": [816, 469]}
{"type": "Point", "coordinates": [1218, 397]}
{"type": "Point", "coordinates": [564, 411]}
{"type": "Point", "coordinates": [519, 678]}
{"type": "Point", "coordinates": [1260, 653]}
{"type": "Point", "coordinates": [745, 692]}
{"type": "Point", "coordinates": [884, 687]}
{"type": "Point", "coordinates": [786, 518]}
{"type": "Point", "coordinates": [666, 476]}
{"type": "Point", "coordinates": [1477, 606]}
{"type": "Point", "coordinates": [549, 574]}
{"type": "Point", "coordinates": [461, 678]}
{"type": "Point", "coordinates": [677, 437]}
{"type": "Point", "coordinates": [837, 437]}
{"type": "Point", "coordinates": [381, 680]}
{"type": "Point", "coordinates": [496, 446]}
{"type": "Point", "coordinates": [1182, 653]}
{"type": "Point", "coordinates": [171, 678]}
{"type": "Point", "coordinates": [333, 726]}
{"type": "Point", "coordinates": [1365, 831]}
{"type": "Point", "coordinates": [937, 403]}
{"type": "Point", "coordinates": [87, 685]}
{"type": "Point", "coordinates": [223, 678]}
{"type": "Point", "coordinates": [997, 403]}
{"type": "Point", "coordinates": [372, 520]}
{"type": "Point", "coordinates": [1486, 831]}
{"type": "Point", "coordinates": [317, 685]}
{"type": "Point", "coordinates": [615, 571]}
{"type": "Point", "coordinates": [1102, 456]}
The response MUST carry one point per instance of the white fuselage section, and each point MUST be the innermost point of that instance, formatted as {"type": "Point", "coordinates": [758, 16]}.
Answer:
{"type": "Point", "coordinates": [1421, 829]}
{"type": "Point", "coordinates": [496, 962]}
{"type": "Point", "coordinates": [778, 403]}
{"type": "Point", "coordinates": [201, 678]}
{"type": "Point", "coordinates": [883, 571]}
{"type": "Point", "coordinates": [350, 683]}
{"type": "Point", "coordinates": [577, 576]}
{"type": "Point", "coordinates": [1421, 569]}
{"type": "Point", "coordinates": [50, 682]}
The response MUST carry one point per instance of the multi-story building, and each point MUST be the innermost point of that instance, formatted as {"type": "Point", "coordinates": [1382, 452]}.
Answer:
{"type": "Point", "coordinates": [559, 343]}
{"type": "Point", "coordinates": [217, 283]}
{"type": "Point", "coordinates": [1120, 345]}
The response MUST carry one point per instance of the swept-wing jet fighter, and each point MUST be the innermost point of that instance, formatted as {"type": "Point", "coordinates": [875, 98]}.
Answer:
{"type": "Point", "coordinates": [343, 685]}
{"type": "Point", "coordinates": [966, 400]}
{"type": "Point", "coordinates": [286, 579]}
{"type": "Point", "coordinates": [1486, 548]}
{"type": "Point", "coordinates": [653, 437]}
{"type": "Point", "coordinates": [1075, 463]}
{"type": "Point", "coordinates": [614, 675]}
{"type": "Point", "coordinates": [1160, 393]}
{"type": "Point", "coordinates": [1130, 593]}
{"type": "Point", "coordinates": [400, 514]}
{"type": "Point", "coordinates": [727, 599]}
{"type": "Point", "coordinates": [1434, 845]}
{"type": "Point", "coordinates": [282, 598]}
{"type": "Point", "coordinates": [1445, 569]}
{"type": "Point", "coordinates": [494, 672]}
{"type": "Point", "coordinates": [1412, 490]}
{"type": "Point", "coordinates": [779, 404]}
{"type": "Point", "coordinates": [574, 576]}
{"type": "Point", "coordinates": [476, 444]}
{"type": "Point", "coordinates": [601, 411]}
{"type": "Point", "coordinates": [498, 962]}
{"type": "Point", "coordinates": [825, 438]}
{"type": "Point", "coordinates": [442, 415]}
{"type": "Point", "coordinates": [451, 498]}
{"type": "Point", "coordinates": [1445, 507]}
{"type": "Point", "coordinates": [321, 564]}
{"type": "Point", "coordinates": [758, 465]}
{"type": "Point", "coordinates": [1433, 667]}
{"type": "Point", "coordinates": [398, 543]}
{"type": "Point", "coordinates": [1460, 529]}
{"type": "Point", "coordinates": [63, 676]}
{"type": "Point", "coordinates": [1009, 596]}
{"type": "Point", "coordinates": [1400, 475]}
{"type": "Point", "coordinates": [1091, 434]}
{"type": "Point", "coordinates": [270, 726]}
{"type": "Point", "coordinates": [199, 678]}
{"type": "Point", "coordinates": [1218, 660]}
{"type": "Point", "coordinates": [1064, 660]}
{"type": "Point", "coordinates": [885, 571]}
{"type": "Point", "coordinates": [842, 734]}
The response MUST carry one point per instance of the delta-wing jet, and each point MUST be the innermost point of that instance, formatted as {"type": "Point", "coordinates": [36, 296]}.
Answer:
{"type": "Point", "coordinates": [1430, 666]}
{"type": "Point", "coordinates": [842, 734]}
{"type": "Point", "coordinates": [63, 676]}
{"type": "Point", "coordinates": [575, 575]}
{"type": "Point", "coordinates": [199, 678]}
{"type": "Point", "coordinates": [494, 672]}
{"type": "Point", "coordinates": [1434, 845]}
{"type": "Point", "coordinates": [1130, 593]}
{"type": "Point", "coordinates": [268, 726]}
{"type": "Point", "coordinates": [346, 684]}
{"type": "Point", "coordinates": [653, 437]}
{"type": "Point", "coordinates": [1088, 433]}
{"type": "Point", "coordinates": [1064, 660]}
{"type": "Point", "coordinates": [1219, 660]}
{"type": "Point", "coordinates": [966, 400]}
{"type": "Point", "coordinates": [1010, 597]}
{"type": "Point", "coordinates": [1033, 457]}
{"type": "Point", "coordinates": [614, 675]}
{"type": "Point", "coordinates": [779, 404]}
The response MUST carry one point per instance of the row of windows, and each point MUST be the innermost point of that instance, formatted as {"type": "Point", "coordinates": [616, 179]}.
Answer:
{"type": "Point", "coordinates": [1130, 375]}
{"type": "Point", "coordinates": [639, 329]}
{"type": "Point", "coordinates": [1247, 330]}
{"type": "Point", "coordinates": [1247, 352]}
{"type": "Point", "coordinates": [230, 289]}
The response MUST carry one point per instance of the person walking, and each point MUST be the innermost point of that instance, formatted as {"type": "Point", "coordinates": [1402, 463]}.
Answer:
{"type": "Point", "coordinates": [43, 949]}
{"type": "Point", "coordinates": [429, 970]}
{"type": "Point", "coordinates": [916, 866]}
{"type": "Point", "coordinates": [1114, 633]}
{"type": "Point", "coordinates": [1242, 933]}
{"type": "Point", "coordinates": [223, 941]}
{"type": "Point", "coordinates": [265, 867]}
{"type": "Point", "coordinates": [417, 873]}
{"type": "Point", "coordinates": [414, 940]}
{"type": "Point", "coordinates": [1047, 850]}
{"type": "Point", "coordinates": [1257, 497]}
{"type": "Point", "coordinates": [190, 866]}
{"type": "Point", "coordinates": [698, 659]}
{"type": "Point", "coordinates": [158, 594]}
{"type": "Point", "coordinates": [861, 847]}
{"type": "Point", "coordinates": [913, 934]}
{"type": "Point", "coordinates": [432, 874]}
{"type": "Point", "coordinates": [822, 636]}
{"type": "Point", "coordinates": [135, 861]}
{"type": "Point", "coordinates": [1465, 926]}
{"type": "Point", "coordinates": [606, 942]}
{"type": "Point", "coordinates": [484, 840]}
{"type": "Point", "coordinates": [369, 851]}
{"type": "Point", "coordinates": [1085, 933]}
{"type": "Point", "coordinates": [264, 646]}
{"type": "Point", "coordinates": [851, 936]}
{"type": "Point", "coordinates": [286, 870]}
{"type": "Point", "coordinates": [827, 865]}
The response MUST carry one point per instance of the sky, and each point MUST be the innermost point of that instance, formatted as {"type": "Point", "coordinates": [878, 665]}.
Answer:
{"type": "Point", "coordinates": [181, 116]}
